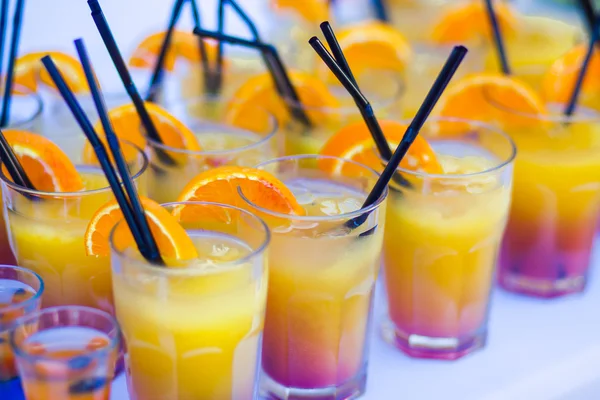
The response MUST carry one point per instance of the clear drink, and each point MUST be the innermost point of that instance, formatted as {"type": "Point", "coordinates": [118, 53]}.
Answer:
{"type": "Point", "coordinates": [66, 352]}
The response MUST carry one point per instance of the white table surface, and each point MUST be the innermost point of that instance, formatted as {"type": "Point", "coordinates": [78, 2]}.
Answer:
{"type": "Point", "coordinates": [537, 350]}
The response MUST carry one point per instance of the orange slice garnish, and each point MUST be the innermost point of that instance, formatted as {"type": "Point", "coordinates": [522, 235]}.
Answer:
{"type": "Point", "coordinates": [260, 91]}
{"type": "Point", "coordinates": [127, 126]}
{"type": "Point", "coordinates": [481, 96]}
{"type": "Point", "coordinates": [310, 10]}
{"type": "Point", "coordinates": [172, 240]}
{"type": "Point", "coordinates": [260, 187]}
{"type": "Point", "coordinates": [354, 142]}
{"type": "Point", "coordinates": [29, 68]}
{"type": "Point", "coordinates": [371, 45]}
{"type": "Point", "coordinates": [46, 165]}
{"type": "Point", "coordinates": [560, 79]}
{"type": "Point", "coordinates": [183, 45]}
{"type": "Point", "coordinates": [469, 21]}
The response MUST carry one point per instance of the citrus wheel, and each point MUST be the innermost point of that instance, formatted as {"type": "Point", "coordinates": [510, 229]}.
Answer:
{"type": "Point", "coordinates": [46, 165]}
{"type": "Point", "coordinates": [183, 45]}
{"type": "Point", "coordinates": [172, 240]}
{"type": "Point", "coordinates": [260, 91]}
{"type": "Point", "coordinates": [29, 68]}
{"type": "Point", "coordinates": [310, 10]}
{"type": "Point", "coordinates": [560, 79]}
{"type": "Point", "coordinates": [371, 45]}
{"type": "Point", "coordinates": [469, 21]}
{"type": "Point", "coordinates": [259, 187]}
{"type": "Point", "coordinates": [354, 142]}
{"type": "Point", "coordinates": [127, 126]}
{"type": "Point", "coordinates": [480, 97]}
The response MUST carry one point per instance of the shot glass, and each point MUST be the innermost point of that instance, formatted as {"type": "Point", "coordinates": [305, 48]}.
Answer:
{"type": "Point", "coordinates": [66, 352]}
{"type": "Point", "coordinates": [321, 280]}
{"type": "Point", "coordinates": [20, 295]}
{"type": "Point", "coordinates": [244, 142]}
{"type": "Point", "coordinates": [46, 229]}
{"type": "Point", "coordinates": [556, 201]}
{"type": "Point", "coordinates": [442, 239]}
{"type": "Point", "coordinates": [193, 332]}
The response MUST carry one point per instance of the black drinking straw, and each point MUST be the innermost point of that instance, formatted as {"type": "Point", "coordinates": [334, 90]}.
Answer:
{"type": "Point", "coordinates": [221, 30]}
{"type": "Point", "coordinates": [151, 248]}
{"type": "Point", "coordinates": [498, 40]}
{"type": "Point", "coordinates": [572, 104]}
{"type": "Point", "coordinates": [380, 10]}
{"type": "Point", "coordinates": [12, 60]}
{"type": "Point", "coordinates": [117, 59]}
{"type": "Point", "coordinates": [3, 24]}
{"type": "Point", "coordinates": [274, 64]}
{"type": "Point", "coordinates": [340, 68]}
{"type": "Point", "coordinates": [158, 71]}
{"type": "Point", "coordinates": [440, 84]}
{"type": "Point", "coordinates": [361, 101]}
{"type": "Point", "coordinates": [13, 165]}
{"type": "Point", "coordinates": [102, 155]}
{"type": "Point", "coordinates": [589, 13]}
{"type": "Point", "coordinates": [206, 68]}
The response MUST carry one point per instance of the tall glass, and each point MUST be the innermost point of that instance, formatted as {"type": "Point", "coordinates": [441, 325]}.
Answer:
{"type": "Point", "coordinates": [66, 353]}
{"type": "Point", "coordinates": [556, 202]}
{"type": "Point", "coordinates": [443, 235]}
{"type": "Point", "coordinates": [20, 295]}
{"type": "Point", "coordinates": [383, 88]}
{"type": "Point", "coordinates": [25, 114]}
{"type": "Point", "coordinates": [321, 280]}
{"type": "Point", "coordinates": [193, 332]}
{"type": "Point", "coordinates": [46, 230]}
{"type": "Point", "coordinates": [244, 142]}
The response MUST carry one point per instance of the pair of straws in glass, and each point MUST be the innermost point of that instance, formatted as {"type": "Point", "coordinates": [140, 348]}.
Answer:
{"type": "Point", "coordinates": [593, 23]}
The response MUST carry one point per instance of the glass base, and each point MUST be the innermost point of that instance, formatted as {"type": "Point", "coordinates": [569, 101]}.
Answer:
{"type": "Point", "coordinates": [12, 389]}
{"type": "Point", "coordinates": [541, 287]}
{"type": "Point", "coordinates": [419, 346]}
{"type": "Point", "coordinates": [351, 389]}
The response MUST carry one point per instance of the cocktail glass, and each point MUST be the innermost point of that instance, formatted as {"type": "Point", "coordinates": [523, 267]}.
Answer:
{"type": "Point", "coordinates": [20, 295]}
{"type": "Point", "coordinates": [383, 88]}
{"type": "Point", "coordinates": [243, 142]}
{"type": "Point", "coordinates": [442, 239]}
{"type": "Point", "coordinates": [25, 114]}
{"type": "Point", "coordinates": [416, 18]}
{"type": "Point", "coordinates": [556, 200]}
{"type": "Point", "coordinates": [66, 352]}
{"type": "Point", "coordinates": [46, 229]}
{"type": "Point", "coordinates": [193, 332]}
{"type": "Point", "coordinates": [321, 280]}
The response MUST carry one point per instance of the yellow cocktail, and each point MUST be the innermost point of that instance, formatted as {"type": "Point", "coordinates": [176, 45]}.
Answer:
{"type": "Point", "coordinates": [442, 239]}
{"type": "Point", "coordinates": [193, 331]}
{"type": "Point", "coordinates": [321, 280]}
{"type": "Point", "coordinates": [46, 227]}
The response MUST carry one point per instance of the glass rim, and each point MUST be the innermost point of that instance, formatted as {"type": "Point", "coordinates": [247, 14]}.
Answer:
{"type": "Point", "coordinates": [488, 127]}
{"type": "Point", "coordinates": [82, 193]}
{"type": "Point", "coordinates": [142, 263]}
{"type": "Point", "coordinates": [113, 341]}
{"type": "Point", "coordinates": [38, 110]}
{"type": "Point", "coordinates": [273, 124]}
{"type": "Point", "coordinates": [38, 293]}
{"type": "Point", "coordinates": [552, 116]}
{"type": "Point", "coordinates": [318, 218]}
